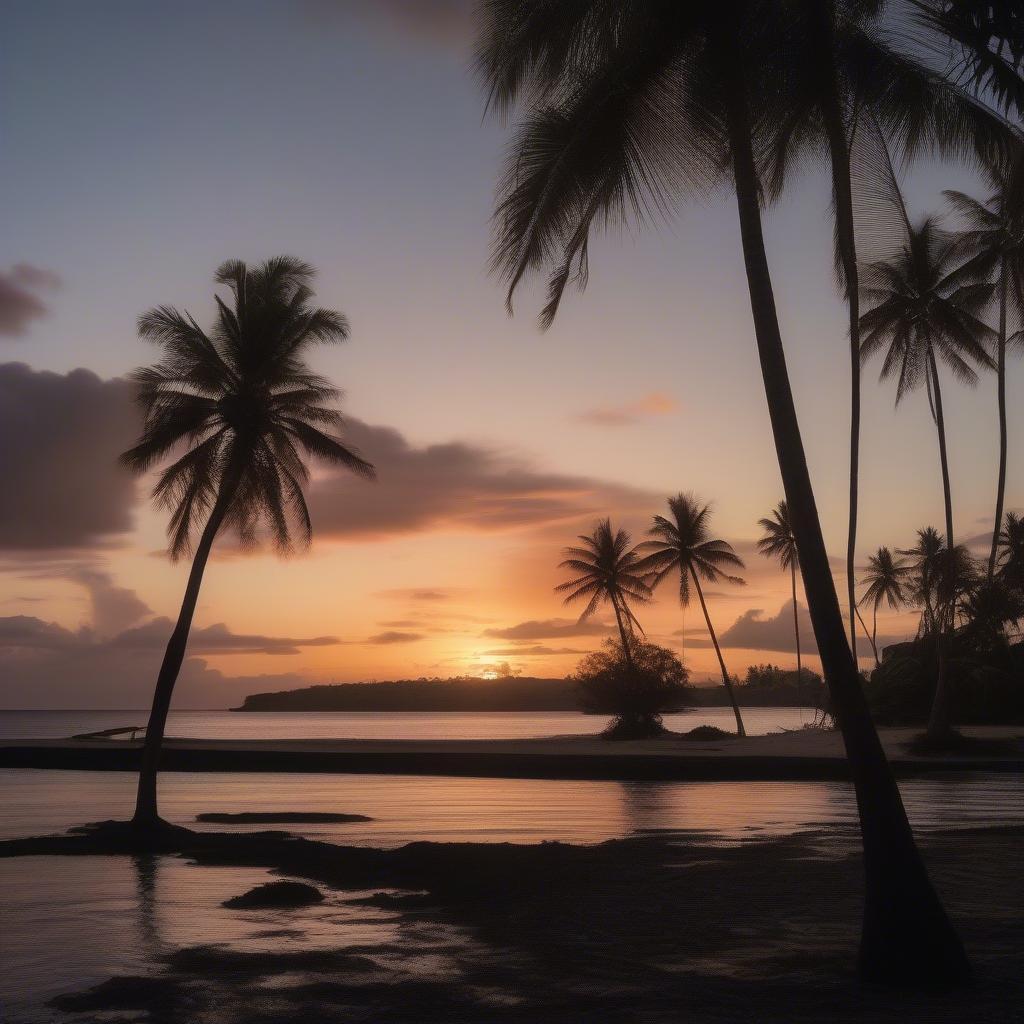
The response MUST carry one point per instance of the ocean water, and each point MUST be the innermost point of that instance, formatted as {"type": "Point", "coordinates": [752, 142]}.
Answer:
{"type": "Point", "coordinates": [395, 725]}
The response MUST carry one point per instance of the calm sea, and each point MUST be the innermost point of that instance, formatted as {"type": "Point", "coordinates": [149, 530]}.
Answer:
{"type": "Point", "coordinates": [67, 925]}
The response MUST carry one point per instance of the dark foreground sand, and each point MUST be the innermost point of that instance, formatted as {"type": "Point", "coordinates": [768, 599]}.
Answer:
{"type": "Point", "coordinates": [807, 754]}
{"type": "Point", "coordinates": [628, 931]}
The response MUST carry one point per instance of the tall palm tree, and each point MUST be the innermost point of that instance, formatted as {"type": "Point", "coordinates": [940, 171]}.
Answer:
{"type": "Point", "coordinates": [628, 106]}
{"type": "Point", "coordinates": [926, 303]}
{"type": "Point", "coordinates": [683, 545]}
{"type": "Point", "coordinates": [237, 409]}
{"type": "Point", "coordinates": [995, 240]}
{"type": "Point", "coordinates": [606, 569]}
{"type": "Point", "coordinates": [778, 542]}
{"type": "Point", "coordinates": [886, 579]}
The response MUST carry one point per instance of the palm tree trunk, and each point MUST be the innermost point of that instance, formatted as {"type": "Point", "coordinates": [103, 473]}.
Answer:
{"type": "Point", "coordinates": [1001, 397]}
{"type": "Point", "coordinates": [842, 191]}
{"type": "Point", "coordinates": [906, 938]}
{"type": "Point", "coordinates": [740, 731]}
{"type": "Point", "coordinates": [868, 634]}
{"type": "Point", "coordinates": [939, 725]}
{"type": "Point", "coordinates": [146, 816]}
{"type": "Point", "coordinates": [627, 651]}
{"type": "Point", "coordinates": [874, 633]}
{"type": "Point", "coordinates": [796, 631]}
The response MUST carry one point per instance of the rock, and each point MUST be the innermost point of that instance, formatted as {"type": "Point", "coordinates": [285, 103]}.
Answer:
{"type": "Point", "coordinates": [277, 894]}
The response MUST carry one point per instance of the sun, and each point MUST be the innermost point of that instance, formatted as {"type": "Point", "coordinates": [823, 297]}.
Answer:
{"type": "Point", "coordinates": [489, 674]}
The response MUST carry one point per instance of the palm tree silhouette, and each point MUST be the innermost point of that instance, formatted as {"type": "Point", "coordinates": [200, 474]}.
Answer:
{"type": "Point", "coordinates": [779, 543]}
{"type": "Point", "coordinates": [927, 300]}
{"type": "Point", "coordinates": [885, 579]}
{"type": "Point", "coordinates": [683, 545]}
{"type": "Point", "coordinates": [1011, 551]}
{"type": "Point", "coordinates": [995, 239]}
{"type": "Point", "coordinates": [607, 569]}
{"type": "Point", "coordinates": [239, 410]}
{"type": "Point", "coordinates": [626, 108]}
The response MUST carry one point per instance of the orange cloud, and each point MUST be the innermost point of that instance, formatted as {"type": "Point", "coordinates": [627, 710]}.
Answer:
{"type": "Point", "coordinates": [655, 403]}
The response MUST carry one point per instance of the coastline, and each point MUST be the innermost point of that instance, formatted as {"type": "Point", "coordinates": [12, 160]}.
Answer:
{"type": "Point", "coordinates": [807, 755]}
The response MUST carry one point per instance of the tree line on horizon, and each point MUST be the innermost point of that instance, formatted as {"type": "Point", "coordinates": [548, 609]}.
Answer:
{"type": "Point", "coordinates": [624, 108]}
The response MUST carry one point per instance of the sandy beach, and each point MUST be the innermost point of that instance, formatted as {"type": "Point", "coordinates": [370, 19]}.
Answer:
{"type": "Point", "coordinates": [808, 754]}
{"type": "Point", "coordinates": [638, 929]}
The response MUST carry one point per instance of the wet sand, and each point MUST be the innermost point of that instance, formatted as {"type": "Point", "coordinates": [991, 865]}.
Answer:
{"type": "Point", "coordinates": [631, 930]}
{"type": "Point", "coordinates": [807, 754]}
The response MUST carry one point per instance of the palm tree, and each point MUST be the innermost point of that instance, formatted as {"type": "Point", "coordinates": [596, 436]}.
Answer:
{"type": "Point", "coordinates": [628, 106]}
{"type": "Point", "coordinates": [606, 569]}
{"type": "Point", "coordinates": [926, 302]}
{"type": "Point", "coordinates": [683, 545]}
{"type": "Point", "coordinates": [778, 542]}
{"type": "Point", "coordinates": [1011, 551]}
{"type": "Point", "coordinates": [237, 409]}
{"type": "Point", "coordinates": [926, 561]}
{"type": "Point", "coordinates": [995, 240]}
{"type": "Point", "coordinates": [886, 579]}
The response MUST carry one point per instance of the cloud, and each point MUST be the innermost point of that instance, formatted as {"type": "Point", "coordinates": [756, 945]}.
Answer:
{"type": "Point", "coordinates": [548, 629]}
{"type": "Point", "coordinates": [655, 403]}
{"type": "Point", "coordinates": [535, 649]}
{"type": "Point", "coordinates": [417, 593]}
{"type": "Point", "coordinates": [114, 608]}
{"type": "Point", "coordinates": [19, 301]}
{"type": "Point", "coordinates": [61, 485]}
{"type": "Point", "coordinates": [392, 636]}
{"type": "Point", "coordinates": [454, 486]}
{"type": "Point", "coordinates": [45, 665]}
{"type": "Point", "coordinates": [445, 22]}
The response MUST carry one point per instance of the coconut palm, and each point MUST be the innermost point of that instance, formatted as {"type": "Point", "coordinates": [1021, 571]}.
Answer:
{"type": "Point", "coordinates": [778, 542]}
{"type": "Point", "coordinates": [886, 578]}
{"type": "Point", "coordinates": [995, 239]}
{"type": "Point", "coordinates": [606, 569]}
{"type": "Point", "coordinates": [926, 561]}
{"type": "Point", "coordinates": [628, 107]}
{"type": "Point", "coordinates": [1011, 551]}
{"type": "Point", "coordinates": [683, 546]}
{"type": "Point", "coordinates": [237, 411]}
{"type": "Point", "coordinates": [926, 303]}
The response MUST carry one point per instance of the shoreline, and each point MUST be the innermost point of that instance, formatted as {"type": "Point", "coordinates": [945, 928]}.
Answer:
{"type": "Point", "coordinates": [808, 756]}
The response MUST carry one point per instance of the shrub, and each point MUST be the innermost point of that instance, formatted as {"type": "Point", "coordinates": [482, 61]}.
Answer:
{"type": "Point", "coordinates": [637, 689]}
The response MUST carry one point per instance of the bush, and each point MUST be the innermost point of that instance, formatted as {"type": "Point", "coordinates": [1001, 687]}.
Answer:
{"type": "Point", "coordinates": [637, 689]}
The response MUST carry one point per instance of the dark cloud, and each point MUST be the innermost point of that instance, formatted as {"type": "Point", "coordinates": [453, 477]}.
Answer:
{"type": "Point", "coordinates": [394, 637]}
{"type": "Point", "coordinates": [61, 484]}
{"type": "Point", "coordinates": [548, 629]}
{"type": "Point", "coordinates": [20, 303]}
{"type": "Point", "coordinates": [456, 486]}
{"type": "Point", "coordinates": [44, 665]}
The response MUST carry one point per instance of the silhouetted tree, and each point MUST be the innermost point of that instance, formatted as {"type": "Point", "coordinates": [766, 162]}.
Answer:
{"type": "Point", "coordinates": [629, 106]}
{"type": "Point", "coordinates": [1011, 551]}
{"type": "Point", "coordinates": [995, 241]}
{"type": "Point", "coordinates": [926, 302]}
{"type": "Point", "coordinates": [637, 688]}
{"type": "Point", "coordinates": [778, 542]}
{"type": "Point", "coordinates": [606, 569]}
{"type": "Point", "coordinates": [885, 579]}
{"type": "Point", "coordinates": [238, 410]}
{"type": "Point", "coordinates": [683, 546]}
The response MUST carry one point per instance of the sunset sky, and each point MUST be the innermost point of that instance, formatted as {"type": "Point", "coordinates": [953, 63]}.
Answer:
{"type": "Point", "coordinates": [140, 146]}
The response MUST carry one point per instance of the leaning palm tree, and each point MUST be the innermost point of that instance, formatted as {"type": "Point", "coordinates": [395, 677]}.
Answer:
{"type": "Point", "coordinates": [886, 579]}
{"type": "Point", "coordinates": [629, 106]}
{"type": "Point", "coordinates": [995, 240]}
{"type": "Point", "coordinates": [926, 305]}
{"type": "Point", "coordinates": [683, 546]}
{"type": "Point", "coordinates": [237, 409]}
{"type": "Point", "coordinates": [606, 569]}
{"type": "Point", "coordinates": [778, 542]}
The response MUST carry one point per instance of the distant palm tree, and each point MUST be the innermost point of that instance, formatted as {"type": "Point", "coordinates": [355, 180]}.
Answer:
{"type": "Point", "coordinates": [1011, 551]}
{"type": "Point", "coordinates": [683, 545]}
{"type": "Point", "coordinates": [607, 570]}
{"type": "Point", "coordinates": [886, 579]}
{"type": "Point", "coordinates": [926, 306]}
{"type": "Point", "coordinates": [779, 543]}
{"type": "Point", "coordinates": [238, 409]}
{"type": "Point", "coordinates": [628, 107]}
{"type": "Point", "coordinates": [995, 240]}
{"type": "Point", "coordinates": [926, 560]}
